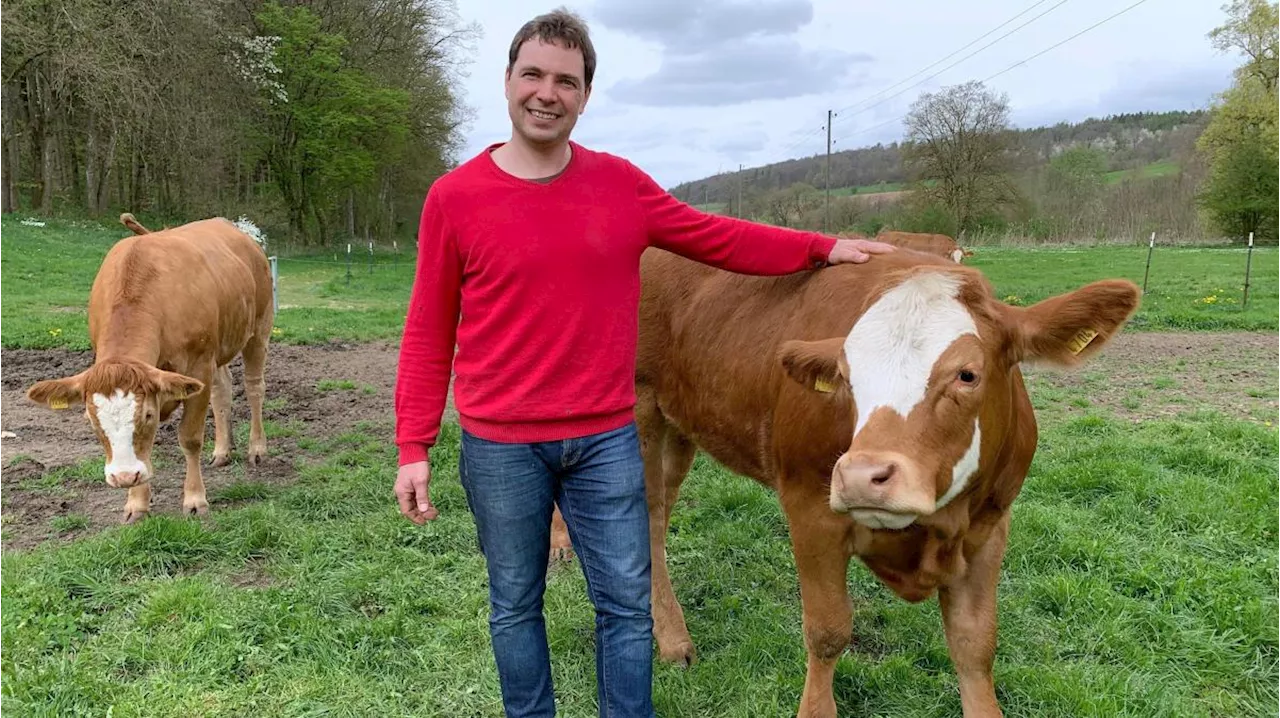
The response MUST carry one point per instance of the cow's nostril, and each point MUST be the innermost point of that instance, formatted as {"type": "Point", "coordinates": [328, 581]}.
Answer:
{"type": "Point", "coordinates": [882, 474]}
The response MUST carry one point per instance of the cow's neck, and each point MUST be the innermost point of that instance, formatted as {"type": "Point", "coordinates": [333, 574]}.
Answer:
{"type": "Point", "coordinates": [128, 335]}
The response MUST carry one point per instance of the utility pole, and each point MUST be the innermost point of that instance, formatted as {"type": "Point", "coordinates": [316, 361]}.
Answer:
{"type": "Point", "coordinates": [739, 189]}
{"type": "Point", "coordinates": [826, 210]}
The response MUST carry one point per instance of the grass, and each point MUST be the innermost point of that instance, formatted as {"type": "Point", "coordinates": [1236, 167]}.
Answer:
{"type": "Point", "coordinates": [1155, 169]}
{"type": "Point", "coordinates": [1140, 580]}
{"type": "Point", "coordinates": [1189, 288]}
{"type": "Point", "coordinates": [48, 271]}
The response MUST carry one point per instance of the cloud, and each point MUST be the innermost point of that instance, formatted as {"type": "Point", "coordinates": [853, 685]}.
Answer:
{"type": "Point", "coordinates": [685, 26]}
{"type": "Point", "coordinates": [719, 53]}
{"type": "Point", "coordinates": [742, 144]}
{"type": "Point", "coordinates": [1153, 88]}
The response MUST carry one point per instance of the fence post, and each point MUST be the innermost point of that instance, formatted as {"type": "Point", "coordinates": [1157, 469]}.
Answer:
{"type": "Point", "coordinates": [1248, 263]}
{"type": "Point", "coordinates": [371, 258]}
{"type": "Point", "coordinates": [1151, 245]}
{"type": "Point", "coordinates": [395, 249]}
{"type": "Point", "coordinates": [348, 264]}
{"type": "Point", "coordinates": [275, 284]}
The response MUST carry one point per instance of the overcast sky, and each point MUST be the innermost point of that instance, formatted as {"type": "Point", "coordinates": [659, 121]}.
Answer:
{"type": "Point", "coordinates": [687, 88]}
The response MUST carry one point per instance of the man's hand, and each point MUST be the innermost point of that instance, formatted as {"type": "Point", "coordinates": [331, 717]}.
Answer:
{"type": "Point", "coordinates": [856, 250]}
{"type": "Point", "coordinates": [412, 481]}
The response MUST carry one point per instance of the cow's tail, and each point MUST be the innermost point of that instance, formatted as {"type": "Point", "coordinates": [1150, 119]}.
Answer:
{"type": "Point", "coordinates": [129, 221]}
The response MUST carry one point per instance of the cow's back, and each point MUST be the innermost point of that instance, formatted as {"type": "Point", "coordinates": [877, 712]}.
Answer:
{"type": "Point", "coordinates": [206, 285]}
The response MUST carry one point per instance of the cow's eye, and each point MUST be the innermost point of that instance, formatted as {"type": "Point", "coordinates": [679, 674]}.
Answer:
{"type": "Point", "coordinates": [967, 377]}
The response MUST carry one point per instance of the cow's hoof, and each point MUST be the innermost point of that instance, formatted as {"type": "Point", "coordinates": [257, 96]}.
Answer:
{"type": "Point", "coordinates": [682, 654]}
{"type": "Point", "coordinates": [256, 456]}
{"type": "Point", "coordinates": [221, 459]}
{"type": "Point", "coordinates": [195, 508]}
{"type": "Point", "coordinates": [560, 555]}
{"type": "Point", "coordinates": [133, 516]}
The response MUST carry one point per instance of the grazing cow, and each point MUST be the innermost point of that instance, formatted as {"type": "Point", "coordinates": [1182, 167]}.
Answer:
{"type": "Point", "coordinates": [168, 312]}
{"type": "Point", "coordinates": [883, 403]}
{"type": "Point", "coordinates": [939, 244]}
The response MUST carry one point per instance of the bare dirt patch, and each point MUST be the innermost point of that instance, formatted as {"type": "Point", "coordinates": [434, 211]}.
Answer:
{"type": "Point", "coordinates": [322, 391]}
{"type": "Point", "coordinates": [313, 392]}
{"type": "Point", "coordinates": [1152, 375]}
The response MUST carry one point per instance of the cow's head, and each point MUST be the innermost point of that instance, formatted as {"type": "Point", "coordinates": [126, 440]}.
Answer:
{"type": "Point", "coordinates": [927, 372]}
{"type": "Point", "coordinates": [126, 401]}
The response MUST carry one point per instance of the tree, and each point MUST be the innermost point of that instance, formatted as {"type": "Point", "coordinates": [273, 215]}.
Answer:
{"type": "Point", "coordinates": [1251, 29]}
{"type": "Point", "coordinates": [1073, 187]}
{"type": "Point", "coordinates": [1240, 194]}
{"type": "Point", "coordinates": [958, 137]}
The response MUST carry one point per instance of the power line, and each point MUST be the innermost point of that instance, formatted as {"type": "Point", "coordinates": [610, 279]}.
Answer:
{"type": "Point", "coordinates": [804, 138]}
{"type": "Point", "coordinates": [1018, 63]}
{"type": "Point", "coordinates": [935, 63]}
{"type": "Point", "coordinates": [957, 62]}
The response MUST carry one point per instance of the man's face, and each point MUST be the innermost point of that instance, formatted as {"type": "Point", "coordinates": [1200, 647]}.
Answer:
{"type": "Point", "coordinates": [546, 91]}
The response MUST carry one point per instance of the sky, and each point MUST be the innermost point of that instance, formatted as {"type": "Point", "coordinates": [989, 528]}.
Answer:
{"type": "Point", "coordinates": [688, 88]}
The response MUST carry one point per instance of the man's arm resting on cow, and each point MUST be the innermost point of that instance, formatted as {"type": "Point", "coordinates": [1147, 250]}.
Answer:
{"type": "Point", "coordinates": [739, 245]}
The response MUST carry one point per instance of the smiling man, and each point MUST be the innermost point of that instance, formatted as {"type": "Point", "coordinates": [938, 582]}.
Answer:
{"type": "Point", "coordinates": [528, 264]}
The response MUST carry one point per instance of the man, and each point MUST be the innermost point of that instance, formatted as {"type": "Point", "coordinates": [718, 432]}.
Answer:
{"type": "Point", "coordinates": [528, 262]}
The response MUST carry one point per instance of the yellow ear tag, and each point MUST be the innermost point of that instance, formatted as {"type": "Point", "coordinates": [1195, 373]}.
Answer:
{"type": "Point", "coordinates": [1081, 340]}
{"type": "Point", "coordinates": [58, 403]}
{"type": "Point", "coordinates": [823, 386]}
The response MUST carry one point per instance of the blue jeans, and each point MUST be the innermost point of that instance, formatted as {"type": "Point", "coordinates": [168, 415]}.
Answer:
{"type": "Point", "coordinates": [598, 482]}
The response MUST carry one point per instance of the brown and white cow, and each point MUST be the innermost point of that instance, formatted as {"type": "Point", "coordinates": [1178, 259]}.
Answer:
{"type": "Point", "coordinates": [937, 244]}
{"type": "Point", "coordinates": [884, 404]}
{"type": "Point", "coordinates": [168, 311]}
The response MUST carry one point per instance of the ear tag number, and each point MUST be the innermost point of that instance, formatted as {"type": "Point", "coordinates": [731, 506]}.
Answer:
{"type": "Point", "coordinates": [1081, 340]}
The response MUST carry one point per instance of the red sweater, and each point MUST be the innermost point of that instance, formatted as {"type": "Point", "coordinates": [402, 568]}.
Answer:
{"type": "Point", "coordinates": [538, 285]}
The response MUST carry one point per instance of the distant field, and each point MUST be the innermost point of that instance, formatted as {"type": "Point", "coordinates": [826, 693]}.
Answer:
{"type": "Point", "coordinates": [1155, 169]}
{"type": "Point", "coordinates": [47, 272]}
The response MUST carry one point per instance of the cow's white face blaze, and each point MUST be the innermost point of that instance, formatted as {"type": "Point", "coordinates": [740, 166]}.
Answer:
{"type": "Point", "coordinates": [115, 416]}
{"type": "Point", "coordinates": [904, 354]}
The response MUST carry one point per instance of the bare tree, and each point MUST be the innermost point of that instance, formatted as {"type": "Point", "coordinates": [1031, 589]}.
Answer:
{"type": "Point", "coordinates": [957, 142]}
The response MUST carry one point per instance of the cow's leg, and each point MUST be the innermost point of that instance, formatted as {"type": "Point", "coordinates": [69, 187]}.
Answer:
{"type": "Point", "coordinates": [221, 400]}
{"type": "Point", "coordinates": [822, 561]}
{"type": "Point", "coordinates": [195, 411]}
{"type": "Point", "coordinates": [969, 619]}
{"type": "Point", "coordinates": [255, 389]}
{"type": "Point", "coordinates": [138, 504]}
{"type": "Point", "coordinates": [561, 544]}
{"type": "Point", "coordinates": [667, 457]}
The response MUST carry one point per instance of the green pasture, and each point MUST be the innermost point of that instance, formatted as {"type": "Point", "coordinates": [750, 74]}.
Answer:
{"type": "Point", "coordinates": [46, 273]}
{"type": "Point", "coordinates": [1140, 580]}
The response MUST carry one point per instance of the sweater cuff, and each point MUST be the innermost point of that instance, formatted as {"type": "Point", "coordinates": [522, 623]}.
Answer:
{"type": "Point", "coordinates": [412, 453]}
{"type": "Point", "coordinates": [819, 249]}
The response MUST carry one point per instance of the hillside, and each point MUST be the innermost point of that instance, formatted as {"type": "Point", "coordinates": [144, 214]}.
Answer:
{"type": "Point", "coordinates": [1130, 141]}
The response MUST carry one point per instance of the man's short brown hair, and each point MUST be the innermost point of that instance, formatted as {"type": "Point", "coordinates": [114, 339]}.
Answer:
{"type": "Point", "coordinates": [558, 26]}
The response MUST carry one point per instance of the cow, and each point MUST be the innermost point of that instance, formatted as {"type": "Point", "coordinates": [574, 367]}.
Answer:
{"type": "Point", "coordinates": [938, 244]}
{"type": "Point", "coordinates": [884, 405]}
{"type": "Point", "coordinates": [168, 312]}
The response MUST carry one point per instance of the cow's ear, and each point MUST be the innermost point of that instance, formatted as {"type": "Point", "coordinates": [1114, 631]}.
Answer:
{"type": "Point", "coordinates": [58, 393]}
{"type": "Point", "coordinates": [171, 386]}
{"type": "Point", "coordinates": [814, 365]}
{"type": "Point", "coordinates": [1068, 329]}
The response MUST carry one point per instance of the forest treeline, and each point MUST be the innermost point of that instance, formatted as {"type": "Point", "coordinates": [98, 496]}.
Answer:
{"type": "Point", "coordinates": [317, 117]}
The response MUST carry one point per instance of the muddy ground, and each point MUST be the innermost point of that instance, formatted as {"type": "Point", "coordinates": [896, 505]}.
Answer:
{"type": "Point", "coordinates": [326, 390]}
